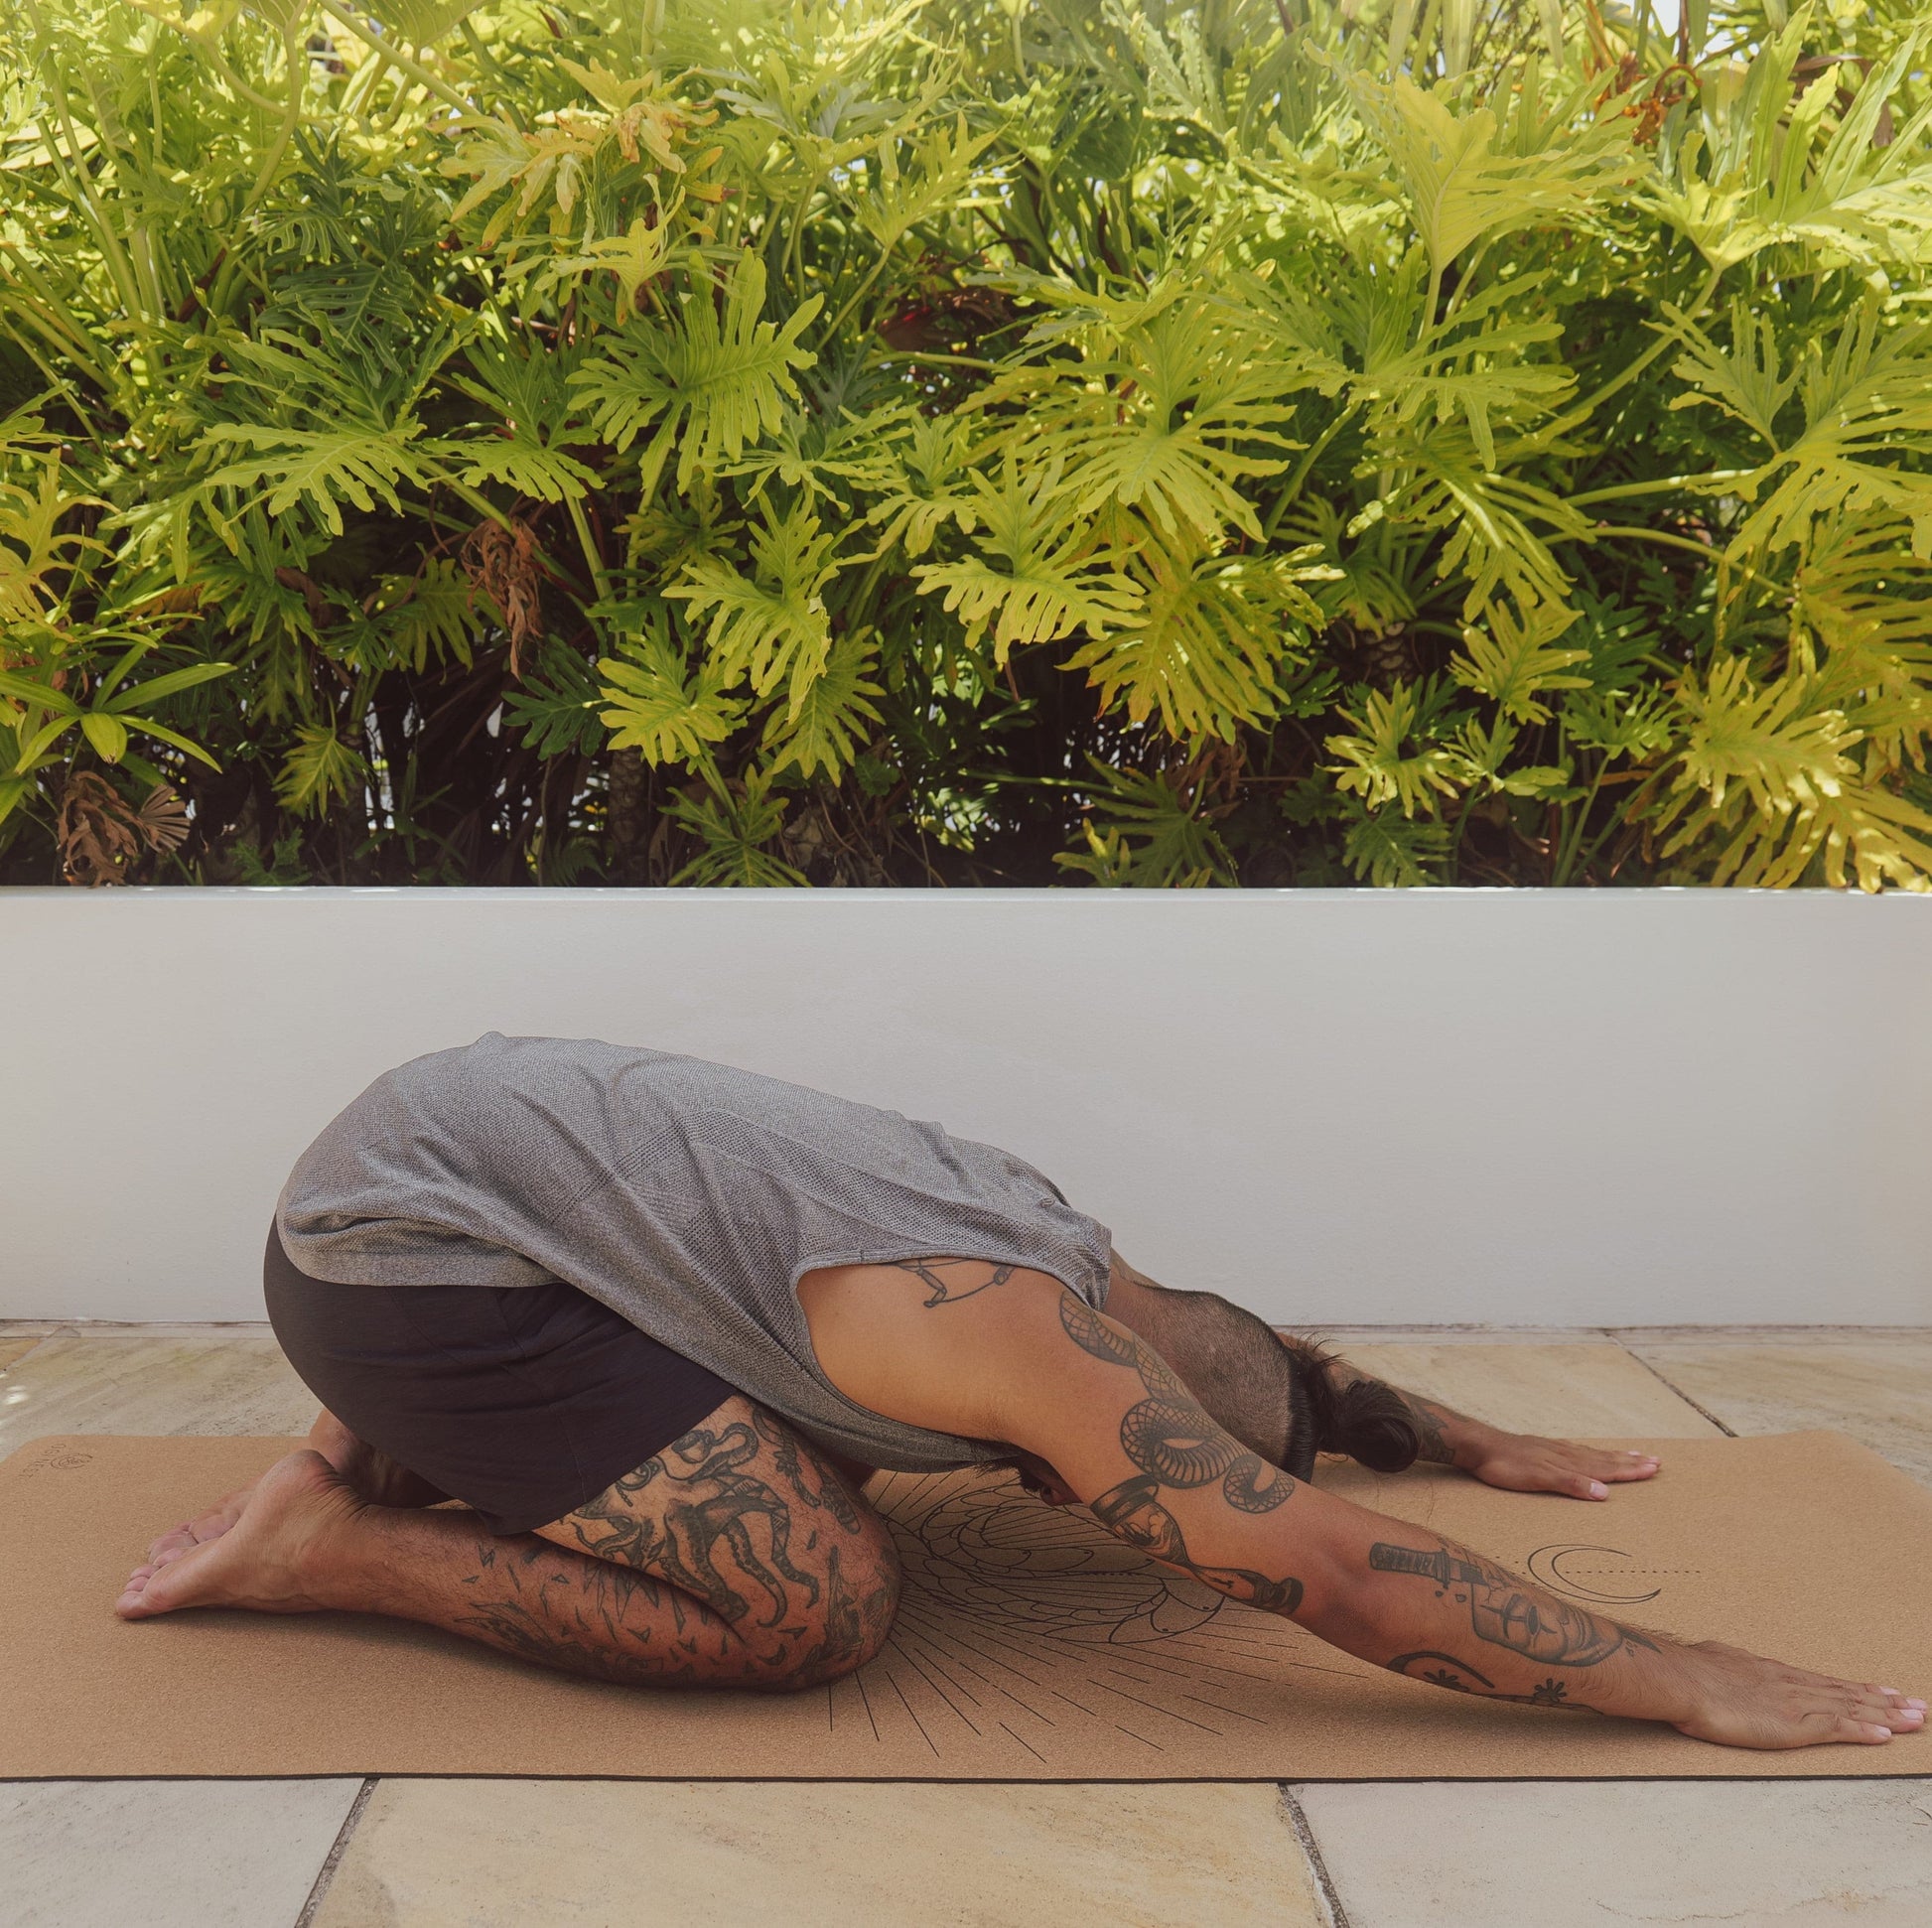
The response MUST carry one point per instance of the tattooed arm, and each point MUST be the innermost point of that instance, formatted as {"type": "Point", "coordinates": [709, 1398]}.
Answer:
{"type": "Point", "coordinates": [1021, 1361]}
{"type": "Point", "coordinates": [1241, 1370]}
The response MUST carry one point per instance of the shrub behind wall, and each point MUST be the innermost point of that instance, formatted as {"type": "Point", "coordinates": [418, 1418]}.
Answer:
{"type": "Point", "coordinates": [726, 440]}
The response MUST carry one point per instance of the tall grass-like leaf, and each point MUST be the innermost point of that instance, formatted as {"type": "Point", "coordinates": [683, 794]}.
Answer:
{"type": "Point", "coordinates": [735, 828]}
{"type": "Point", "coordinates": [1511, 659]}
{"type": "Point", "coordinates": [1388, 756]}
{"type": "Point", "coordinates": [320, 770]}
{"type": "Point", "coordinates": [822, 733]}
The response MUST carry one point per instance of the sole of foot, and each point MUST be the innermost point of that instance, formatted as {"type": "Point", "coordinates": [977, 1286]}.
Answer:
{"type": "Point", "coordinates": [266, 1559]}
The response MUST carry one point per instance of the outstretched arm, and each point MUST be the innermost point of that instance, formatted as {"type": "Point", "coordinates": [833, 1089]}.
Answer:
{"type": "Point", "coordinates": [1519, 1462]}
{"type": "Point", "coordinates": [1020, 1359]}
{"type": "Point", "coordinates": [1239, 1370]}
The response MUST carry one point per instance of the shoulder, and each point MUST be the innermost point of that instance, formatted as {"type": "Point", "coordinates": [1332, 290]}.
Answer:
{"type": "Point", "coordinates": [944, 1343]}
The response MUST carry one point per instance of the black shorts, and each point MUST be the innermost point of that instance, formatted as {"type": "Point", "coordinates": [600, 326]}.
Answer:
{"type": "Point", "coordinates": [523, 1402]}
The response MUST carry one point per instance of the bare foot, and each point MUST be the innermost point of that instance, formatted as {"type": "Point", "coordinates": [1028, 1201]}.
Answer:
{"type": "Point", "coordinates": [205, 1526]}
{"type": "Point", "coordinates": [328, 1437]}
{"type": "Point", "coordinates": [264, 1559]}
{"type": "Point", "coordinates": [376, 1477]}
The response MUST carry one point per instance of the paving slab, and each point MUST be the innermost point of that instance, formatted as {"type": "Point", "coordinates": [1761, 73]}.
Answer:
{"type": "Point", "coordinates": [1570, 1389]}
{"type": "Point", "coordinates": [137, 1383]}
{"type": "Point", "coordinates": [445, 1854]}
{"type": "Point", "coordinates": [1877, 1389]}
{"type": "Point", "coordinates": [165, 1853]}
{"type": "Point", "coordinates": [1757, 1853]}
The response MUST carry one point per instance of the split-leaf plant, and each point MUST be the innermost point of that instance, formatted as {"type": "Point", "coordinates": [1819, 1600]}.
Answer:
{"type": "Point", "coordinates": [950, 441]}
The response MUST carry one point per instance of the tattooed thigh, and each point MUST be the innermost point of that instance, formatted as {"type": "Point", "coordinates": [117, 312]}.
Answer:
{"type": "Point", "coordinates": [746, 1516]}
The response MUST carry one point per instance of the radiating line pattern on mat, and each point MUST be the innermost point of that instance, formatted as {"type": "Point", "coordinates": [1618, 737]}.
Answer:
{"type": "Point", "coordinates": [1023, 1624]}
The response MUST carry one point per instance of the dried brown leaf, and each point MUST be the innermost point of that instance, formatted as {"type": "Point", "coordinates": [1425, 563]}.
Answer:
{"type": "Point", "coordinates": [98, 834]}
{"type": "Point", "coordinates": [502, 563]}
{"type": "Point", "coordinates": [163, 818]}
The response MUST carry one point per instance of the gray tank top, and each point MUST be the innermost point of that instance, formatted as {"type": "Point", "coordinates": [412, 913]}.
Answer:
{"type": "Point", "coordinates": [688, 1197]}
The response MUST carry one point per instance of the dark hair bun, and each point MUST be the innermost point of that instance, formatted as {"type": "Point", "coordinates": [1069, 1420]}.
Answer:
{"type": "Point", "coordinates": [1366, 1421]}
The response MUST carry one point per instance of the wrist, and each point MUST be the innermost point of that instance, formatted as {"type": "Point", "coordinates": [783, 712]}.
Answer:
{"type": "Point", "coordinates": [1652, 1682]}
{"type": "Point", "coordinates": [1472, 1443]}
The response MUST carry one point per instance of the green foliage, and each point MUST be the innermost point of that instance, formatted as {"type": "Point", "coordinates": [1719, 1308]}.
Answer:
{"type": "Point", "coordinates": [1130, 442]}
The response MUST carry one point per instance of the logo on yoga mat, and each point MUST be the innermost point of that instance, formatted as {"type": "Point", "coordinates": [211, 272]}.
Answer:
{"type": "Point", "coordinates": [1599, 1574]}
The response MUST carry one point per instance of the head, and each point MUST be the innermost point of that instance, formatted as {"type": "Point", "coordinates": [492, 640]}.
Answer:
{"type": "Point", "coordinates": [1332, 1412]}
{"type": "Point", "coordinates": [1297, 1380]}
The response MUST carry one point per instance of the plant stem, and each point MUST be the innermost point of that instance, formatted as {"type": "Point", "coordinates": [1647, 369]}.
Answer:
{"type": "Point", "coordinates": [367, 31]}
{"type": "Point", "coordinates": [1580, 412]}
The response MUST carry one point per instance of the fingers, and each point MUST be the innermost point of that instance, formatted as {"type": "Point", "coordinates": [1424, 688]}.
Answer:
{"type": "Point", "coordinates": [1626, 1465]}
{"type": "Point", "coordinates": [1590, 1476]}
{"type": "Point", "coordinates": [1532, 1466]}
{"type": "Point", "coordinates": [1880, 1711]}
{"type": "Point", "coordinates": [1753, 1702]}
{"type": "Point", "coordinates": [1616, 1467]}
{"type": "Point", "coordinates": [1851, 1728]}
{"type": "Point", "coordinates": [1901, 1715]}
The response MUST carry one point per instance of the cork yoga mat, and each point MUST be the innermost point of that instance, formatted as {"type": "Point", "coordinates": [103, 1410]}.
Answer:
{"type": "Point", "coordinates": [1029, 1647]}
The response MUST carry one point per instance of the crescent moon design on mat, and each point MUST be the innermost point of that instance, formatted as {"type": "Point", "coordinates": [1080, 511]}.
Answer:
{"type": "Point", "coordinates": [1546, 1565]}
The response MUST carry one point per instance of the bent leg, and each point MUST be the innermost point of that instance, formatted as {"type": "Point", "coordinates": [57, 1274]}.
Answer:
{"type": "Point", "coordinates": [736, 1557]}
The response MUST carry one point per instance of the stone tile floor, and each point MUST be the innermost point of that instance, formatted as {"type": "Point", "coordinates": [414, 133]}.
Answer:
{"type": "Point", "coordinates": [429, 1854]}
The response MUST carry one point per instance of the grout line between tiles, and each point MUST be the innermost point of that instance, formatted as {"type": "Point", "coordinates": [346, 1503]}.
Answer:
{"type": "Point", "coordinates": [326, 1872]}
{"type": "Point", "coordinates": [1657, 1375]}
{"type": "Point", "coordinates": [1312, 1849]}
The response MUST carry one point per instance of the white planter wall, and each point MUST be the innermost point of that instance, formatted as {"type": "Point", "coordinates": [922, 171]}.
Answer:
{"type": "Point", "coordinates": [1517, 1108]}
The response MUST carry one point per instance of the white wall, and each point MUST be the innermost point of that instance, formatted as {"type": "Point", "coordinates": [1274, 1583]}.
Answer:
{"type": "Point", "coordinates": [1530, 1108]}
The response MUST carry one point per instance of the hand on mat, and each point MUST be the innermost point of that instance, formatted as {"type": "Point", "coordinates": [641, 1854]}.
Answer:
{"type": "Point", "coordinates": [1520, 1462]}
{"type": "Point", "coordinates": [1742, 1701]}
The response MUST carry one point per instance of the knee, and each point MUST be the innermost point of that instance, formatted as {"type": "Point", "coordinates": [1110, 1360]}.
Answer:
{"type": "Point", "coordinates": [877, 1582]}
{"type": "Point", "coordinates": [858, 1602]}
